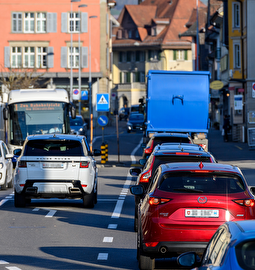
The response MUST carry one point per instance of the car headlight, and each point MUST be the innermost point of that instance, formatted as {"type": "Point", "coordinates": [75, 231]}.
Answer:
{"type": "Point", "coordinates": [80, 130]}
{"type": "Point", "coordinates": [1, 165]}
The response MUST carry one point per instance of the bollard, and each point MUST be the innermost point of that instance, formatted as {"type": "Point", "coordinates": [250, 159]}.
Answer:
{"type": "Point", "coordinates": [103, 160]}
{"type": "Point", "coordinates": [106, 151]}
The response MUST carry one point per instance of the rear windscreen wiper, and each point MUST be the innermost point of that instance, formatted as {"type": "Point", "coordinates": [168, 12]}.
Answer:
{"type": "Point", "coordinates": [189, 190]}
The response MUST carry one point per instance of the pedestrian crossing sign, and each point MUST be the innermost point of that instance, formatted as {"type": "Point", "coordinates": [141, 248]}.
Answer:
{"type": "Point", "coordinates": [103, 104]}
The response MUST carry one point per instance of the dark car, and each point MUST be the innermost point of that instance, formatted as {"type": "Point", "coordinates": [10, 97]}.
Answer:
{"type": "Point", "coordinates": [232, 247]}
{"type": "Point", "coordinates": [124, 113]}
{"type": "Point", "coordinates": [166, 153]}
{"type": "Point", "coordinates": [159, 138]}
{"type": "Point", "coordinates": [184, 206]}
{"type": "Point", "coordinates": [135, 122]}
{"type": "Point", "coordinates": [78, 126]}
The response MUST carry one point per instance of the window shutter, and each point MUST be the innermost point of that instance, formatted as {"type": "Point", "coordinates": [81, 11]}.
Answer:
{"type": "Point", "coordinates": [64, 21]}
{"type": "Point", "coordinates": [7, 51]}
{"type": "Point", "coordinates": [185, 54]}
{"type": "Point", "coordinates": [120, 77]}
{"type": "Point", "coordinates": [120, 57]}
{"type": "Point", "coordinates": [50, 57]}
{"type": "Point", "coordinates": [49, 22]}
{"type": "Point", "coordinates": [84, 57]}
{"type": "Point", "coordinates": [107, 23]}
{"type": "Point", "coordinates": [84, 22]}
{"type": "Point", "coordinates": [174, 52]}
{"type": "Point", "coordinates": [54, 22]}
{"type": "Point", "coordinates": [64, 57]}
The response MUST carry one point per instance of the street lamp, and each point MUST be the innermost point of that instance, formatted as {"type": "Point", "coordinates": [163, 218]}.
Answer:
{"type": "Point", "coordinates": [71, 62]}
{"type": "Point", "coordinates": [80, 6]}
{"type": "Point", "coordinates": [90, 88]}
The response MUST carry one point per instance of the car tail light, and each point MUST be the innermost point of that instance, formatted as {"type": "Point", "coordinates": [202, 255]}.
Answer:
{"type": "Point", "coordinates": [211, 160]}
{"type": "Point", "coordinates": [203, 146]}
{"type": "Point", "coordinates": [22, 164]}
{"type": "Point", "coordinates": [182, 153]}
{"type": "Point", "coordinates": [84, 164]}
{"type": "Point", "coordinates": [247, 202]}
{"type": "Point", "coordinates": [157, 201]}
{"type": "Point", "coordinates": [151, 244]}
{"type": "Point", "coordinates": [145, 177]}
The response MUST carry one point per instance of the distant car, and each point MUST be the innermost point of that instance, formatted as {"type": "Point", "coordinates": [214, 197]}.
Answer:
{"type": "Point", "coordinates": [135, 122]}
{"type": "Point", "coordinates": [124, 113]}
{"type": "Point", "coordinates": [78, 125]}
{"type": "Point", "coordinates": [166, 153]}
{"type": "Point", "coordinates": [159, 138]}
{"type": "Point", "coordinates": [56, 166]}
{"type": "Point", "coordinates": [6, 167]}
{"type": "Point", "coordinates": [184, 206]}
{"type": "Point", "coordinates": [232, 247]}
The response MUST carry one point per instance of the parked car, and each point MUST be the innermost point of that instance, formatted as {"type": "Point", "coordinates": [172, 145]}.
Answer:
{"type": "Point", "coordinates": [135, 122]}
{"type": "Point", "coordinates": [184, 206]}
{"type": "Point", "coordinates": [124, 113]}
{"type": "Point", "coordinates": [78, 125]}
{"type": "Point", "coordinates": [166, 153]}
{"type": "Point", "coordinates": [56, 166]}
{"type": "Point", "coordinates": [6, 167]}
{"type": "Point", "coordinates": [159, 138]}
{"type": "Point", "coordinates": [232, 247]}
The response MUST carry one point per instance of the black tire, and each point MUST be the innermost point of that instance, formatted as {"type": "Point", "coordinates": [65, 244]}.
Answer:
{"type": "Point", "coordinates": [5, 185]}
{"type": "Point", "coordinates": [89, 200]}
{"type": "Point", "coordinates": [10, 184]}
{"type": "Point", "coordinates": [19, 200]}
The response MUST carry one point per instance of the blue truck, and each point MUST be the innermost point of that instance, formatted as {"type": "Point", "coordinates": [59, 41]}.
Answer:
{"type": "Point", "coordinates": [178, 101]}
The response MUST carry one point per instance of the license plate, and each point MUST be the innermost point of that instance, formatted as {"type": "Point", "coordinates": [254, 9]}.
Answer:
{"type": "Point", "coordinates": [202, 213]}
{"type": "Point", "coordinates": [53, 165]}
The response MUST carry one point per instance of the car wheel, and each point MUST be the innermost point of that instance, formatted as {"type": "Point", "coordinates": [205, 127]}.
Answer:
{"type": "Point", "coordinates": [89, 200]}
{"type": "Point", "coordinates": [128, 131]}
{"type": "Point", "coordinates": [19, 200]}
{"type": "Point", "coordinates": [10, 184]}
{"type": "Point", "coordinates": [5, 185]}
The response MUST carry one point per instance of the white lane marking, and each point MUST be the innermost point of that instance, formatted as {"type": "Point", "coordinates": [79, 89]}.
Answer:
{"type": "Point", "coordinates": [112, 226]}
{"type": "Point", "coordinates": [3, 201]}
{"type": "Point", "coordinates": [117, 209]}
{"type": "Point", "coordinates": [8, 197]}
{"type": "Point", "coordinates": [3, 262]}
{"type": "Point", "coordinates": [13, 268]}
{"type": "Point", "coordinates": [51, 213]}
{"type": "Point", "coordinates": [102, 256]}
{"type": "Point", "coordinates": [108, 239]}
{"type": "Point", "coordinates": [35, 209]}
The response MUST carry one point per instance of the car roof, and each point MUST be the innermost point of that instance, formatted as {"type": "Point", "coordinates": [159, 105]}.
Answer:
{"type": "Point", "coordinates": [246, 226]}
{"type": "Point", "coordinates": [178, 146]}
{"type": "Point", "coordinates": [55, 137]}
{"type": "Point", "coordinates": [166, 134]}
{"type": "Point", "coordinates": [196, 166]}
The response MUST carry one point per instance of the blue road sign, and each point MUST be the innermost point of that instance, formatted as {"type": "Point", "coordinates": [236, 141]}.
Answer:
{"type": "Point", "coordinates": [103, 104]}
{"type": "Point", "coordinates": [102, 120]}
{"type": "Point", "coordinates": [84, 95]}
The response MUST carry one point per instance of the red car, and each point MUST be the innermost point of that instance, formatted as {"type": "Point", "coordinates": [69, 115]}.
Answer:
{"type": "Point", "coordinates": [184, 206]}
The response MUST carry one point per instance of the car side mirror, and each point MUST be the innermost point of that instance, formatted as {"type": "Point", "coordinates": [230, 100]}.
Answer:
{"type": "Point", "coordinates": [137, 190]}
{"type": "Point", "coordinates": [9, 156]}
{"type": "Point", "coordinates": [135, 171]}
{"type": "Point", "coordinates": [96, 152]}
{"type": "Point", "coordinates": [188, 259]}
{"type": "Point", "coordinates": [17, 152]}
{"type": "Point", "coordinates": [142, 161]}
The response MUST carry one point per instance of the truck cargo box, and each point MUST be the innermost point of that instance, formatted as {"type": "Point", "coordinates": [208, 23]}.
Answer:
{"type": "Point", "coordinates": [177, 101]}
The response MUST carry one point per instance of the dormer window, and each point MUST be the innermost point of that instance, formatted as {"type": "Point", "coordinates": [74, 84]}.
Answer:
{"type": "Point", "coordinates": [137, 34]}
{"type": "Point", "coordinates": [154, 31]}
{"type": "Point", "coordinates": [130, 32]}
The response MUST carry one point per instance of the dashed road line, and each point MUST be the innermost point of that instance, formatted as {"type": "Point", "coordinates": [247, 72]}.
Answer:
{"type": "Point", "coordinates": [3, 262]}
{"type": "Point", "coordinates": [112, 226]}
{"type": "Point", "coordinates": [102, 257]}
{"type": "Point", "coordinates": [108, 239]}
{"type": "Point", "coordinates": [12, 268]}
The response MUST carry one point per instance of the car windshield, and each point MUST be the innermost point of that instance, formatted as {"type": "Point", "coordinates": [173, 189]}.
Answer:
{"type": "Point", "coordinates": [211, 183]}
{"type": "Point", "coordinates": [245, 253]}
{"type": "Point", "coordinates": [76, 122]}
{"type": "Point", "coordinates": [53, 148]}
{"type": "Point", "coordinates": [136, 117]}
{"type": "Point", "coordinates": [169, 139]}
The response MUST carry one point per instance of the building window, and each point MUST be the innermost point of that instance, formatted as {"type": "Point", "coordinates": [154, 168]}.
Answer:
{"type": "Point", "coordinates": [29, 57]}
{"type": "Point", "coordinates": [180, 55]}
{"type": "Point", "coordinates": [41, 22]}
{"type": "Point", "coordinates": [142, 56]}
{"type": "Point", "coordinates": [16, 22]}
{"type": "Point", "coordinates": [154, 31]}
{"type": "Point", "coordinates": [16, 56]}
{"type": "Point", "coordinates": [75, 57]}
{"type": "Point", "coordinates": [142, 76]}
{"type": "Point", "coordinates": [29, 22]}
{"type": "Point", "coordinates": [237, 56]}
{"type": "Point", "coordinates": [130, 33]}
{"type": "Point", "coordinates": [137, 56]}
{"type": "Point", "coordinates": [41, 57]}
{"type": "Point", "coordinates": [129, 53]}
{"type": "Point", "coordinates": [153, 55]}
{"type": "Point", "coordinates": [74, 22]}
{"type": "Point", "coordinates": [127, 77]}
{"type": "Point", "coordinates": [236, 15]}
{"type": "Point", "coordinates": [136, 34]}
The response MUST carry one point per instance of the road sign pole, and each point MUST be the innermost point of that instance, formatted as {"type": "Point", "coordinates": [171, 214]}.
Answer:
{"type": "Point", "coordinates": [118, 143]}
{"type": "Point", "coordinates": [102, 134]}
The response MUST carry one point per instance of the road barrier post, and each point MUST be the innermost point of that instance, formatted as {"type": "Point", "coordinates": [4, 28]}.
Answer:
{"type": "Point", "coordinates": [103, 158]}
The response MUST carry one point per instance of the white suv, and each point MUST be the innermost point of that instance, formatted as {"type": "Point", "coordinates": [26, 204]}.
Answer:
{"type": "Point", "coordinates": [56, 166]}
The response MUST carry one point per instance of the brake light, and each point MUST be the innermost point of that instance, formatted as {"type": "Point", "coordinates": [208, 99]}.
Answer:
{"type": "Point", "coordinates": [182, 154]}
{"type": "Point", "coordinates": [248, 202]}
{"type": "Point", "coordinates": [157, 201]}
{"type": "Point", "coordinates": [203, 146]}
{"type": "Point", "coordinates": [151, 244]}
{"type": "Point", "coordinates": [145, 177]}
{"type": "Point", "coordinates": [22, 164]}
{"type": "Point", "coordinates": [149, 149]}
{"type": "Point", "coordinates": [84, 164]}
